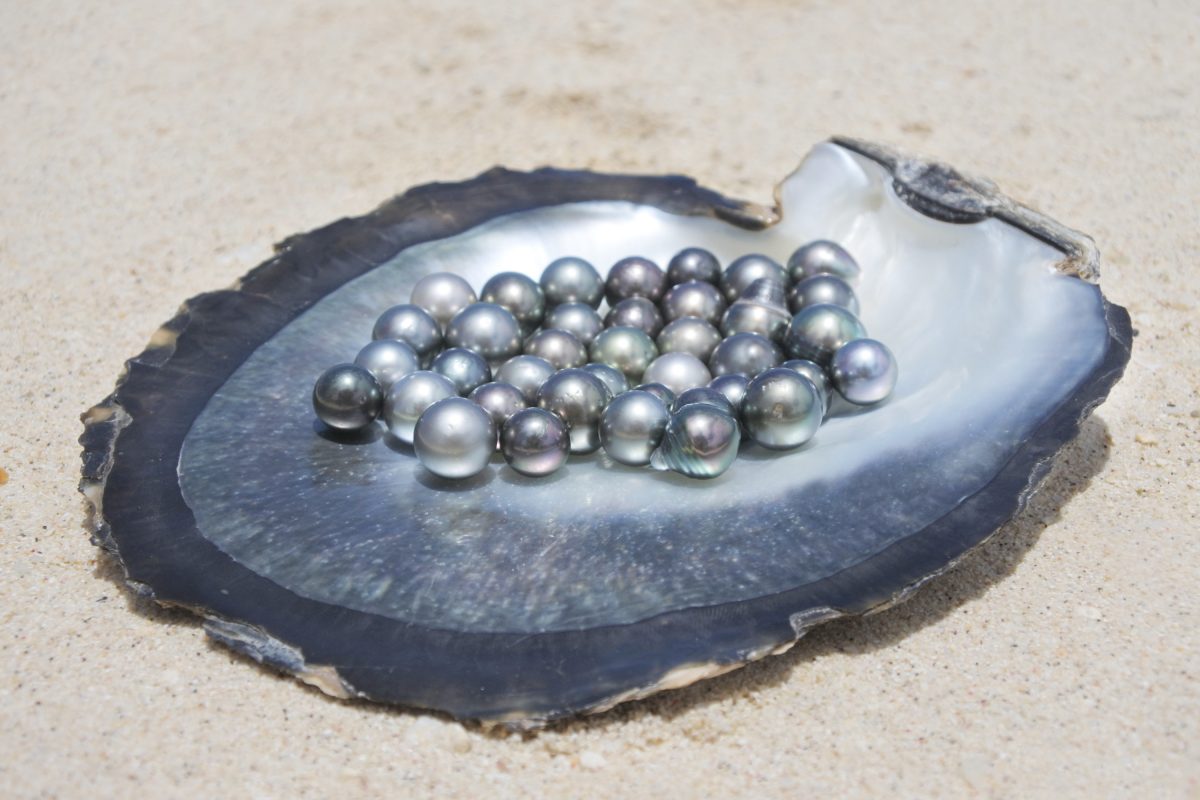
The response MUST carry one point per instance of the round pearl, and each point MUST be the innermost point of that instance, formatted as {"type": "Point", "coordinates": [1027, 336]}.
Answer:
{"type": "Point", "coordinates": [701, 441]}
{"type": "Point", "coordinates": [412, 325]}
{"type": "Point", "coordinates": [817, 331]}
{"type": "Point", "coordinates": [746, 270]}
{"type": "Point", "coordinates": [577, 318]}
{"type": "Point", "coordinates": [689, 335]}
{"type": "Point", "coordinates": [659, 391]}
{"type": "Point", "coordinates": [761, 309]}
{"type": "Point", "coordinates": [677, 371]}
{"type": "Point", "coordinates": [520, 294]}
{"type": "Point", "coordinates": [442, 294]}
{"type": "Point", "coordinates": [466, 368]}
{"type": "Point", "coordinates": [388, 360]}
{"type": "Point", "coordinates": [578, 398]}
{"type": "Point", "coordinates": [634, 277]}
{"type": "Point", "coordinates": [409, 397]}
{"type": "Point", "coordinates": [812, 370]}
{"type": "Point", "coordinates": [499, 400]}
{"type": "Point", "coordinates": [527, 373]}
{"type": "Point", "coordinates": [733, 386]}
{"type": "Point", "coordinates": [864, 371]}
{"type": "Point", "coordinates": [572, 280]}
{"type": "Point", "coordinates": [613, 378]}
{"type": "Point", "coordinates": [708, 396]}
{"type": "Point", "coordinates": [454, 438]}
{"type": "Point", "coordinates": [487, 329]}
{"type": "Point", "coordinates": [822, 289]}
{"type": "Point", "coordinates": [744, 354]}
{"type": "Point", "coordinates": [693, 264]}
{"type": "Point", "coordinates": [560, 348]}
{"type": "Point", "coordinates": [347, 397]}
{"type": "Point", "coordinates": [693, 299]}
{"type": "Point", "coordinates": [822, 257]}
{"type": "Point", "coordinates": [535, 442]}
{"type": "Point", "coordinates": [635, 312]}
{"type": "Point", "coordinates": [782, 409]}
{"type": "Point", "coordinates": [628, 349]}
{"type": "Point", "coordinates": [632, 427]}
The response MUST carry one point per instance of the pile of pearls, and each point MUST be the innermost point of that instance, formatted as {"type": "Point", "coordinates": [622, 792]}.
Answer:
{"type": "Point", "coordinates": [685, 363]}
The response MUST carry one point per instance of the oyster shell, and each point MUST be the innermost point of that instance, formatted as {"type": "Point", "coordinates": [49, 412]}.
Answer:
{"type": "Point", "coordinates": [515, 601]}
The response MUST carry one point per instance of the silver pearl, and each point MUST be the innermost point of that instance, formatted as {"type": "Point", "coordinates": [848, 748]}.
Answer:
{"type": "Point", "coordinates": [412, 325]}
{"type": "Point", "coordinates": [689, 335]}
{"type": "Point", "coordinates": [733, 386]}
{"type": "Point", "coordinates": [520, 294]}
{"type": "Point", "coordinates": [761, 309]}
{"type": "Point", "coordinates": [466, 368]}
{"type": "Point", "coordinates": [864, 371]}
{"type": "Point", "coordinates": [708, 396]}
{"type": "Point", "coordinates": [572, 280]}
{"type": "Point", "coordinates": [499, 400]}
{"type": "Point", "coordinates": [577, 318]}
{"type": "Point", "coordinates": [817, 331]}
{"type": "Point", "coordinates": [527, 373]}
{"type": "Point", "coordinates": [634, 277]}
{"type": "Point", "coordinates": [635, 312]}
{"type": "Point", "coordinates": [454, 438]}
{"type": "Point", "coordinates": [746, 270]}
{"type": "Point", "coordinates": [782, 409]}
{"type": "Point", "coordinates": [677, 371]}
{"type": "Point", "coordinates": [613, 378]}
{"type": "Point", "coordinates": [693, 299]}
{"type": "Point", "coordinates": [560, 348]}
{"type": "Point", "coordinates": [442, 294]}
{"type": "Point", "coordinates": [659, 391]}
{"type": "Point", "coordinates": [388, 360]}
{"type": "Point", "coordinates": [346, 397]}
{"type": "Point", "coordinates": [693, 264]}
{"type": "Point", "coordinates": [822, 289]}
{"type": "Point", "coordinates": [822, 257]}
{"type": "Point", "coordinates": [535, 442]}
{"type": "Point", "coordinates": [408, 398]}
{"type": "Point", "coordinates": [744, 354]}
{"type": "Point", "coordinates": [487, 329]}
{"type": "Point", "coordinates": [578, 398]}
{"type": "Point", "coordinates": [812, 370]}
{"type": "Point", "coordinates": [628, 349]}
{"type": "Point", "coordinates": [632, 427]}
{"type": "Point", "coordinates": [701, 441]}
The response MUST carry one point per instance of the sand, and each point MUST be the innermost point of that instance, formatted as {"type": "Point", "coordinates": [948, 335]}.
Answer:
{"type": "Point", "coordinates": [154, 150]}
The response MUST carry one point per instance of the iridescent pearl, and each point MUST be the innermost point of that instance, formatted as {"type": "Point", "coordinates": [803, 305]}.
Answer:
{"type": "Point", "coordinates": [412, 325]}
{"type": "Point", "coordinates": [466, 368]}
{"type": "Point", "coordinates": [500, 400]}
{"type": "Point", "coordinates": [822, 257]}
{"type": "Point", "coordinates": [708, 396]}
{"type": "Point", "coordinates": [346, 397]}
{"type": "Point", "coordinates": [409, 397]}
{"type": "Point", "coordinates": [659, 391]}
{"type": "Point", "coordinates": [693, 264]}
{"type": "Point", "coordinates": [487, 329]}
{"type": "Point", "coordinates": [634, 277]}
{"type": "Point", "coordinates": [535, 442]}
{"type": "Point", "coordinates": [560, 348]}
{"type": "Point", "coordinates": [782, 409]}
{"type": "Point", "coordinates": [388, 360]}
{"type": "Point", "coordinates": [733, 386]}
{"type": "Point", "coordinates": [746, 270]}
{"type": "Point", "coordinates": [613, 378]}
{"type": "Point", "coordinates": [761, 309]}
{"type": "Point", "coordinates": [693, 299]}
{"type": "Point", "coordinates": [701, 441]}
{"type": "Point", "coordinates": [812, 370]}
{"type": "Point", "coordinates": [635, 312]}
{"type": "Point", "coordinates": [677, 371]}
{"type": "Point", "coordinates": [577, 318]}
{"type": "Point", "coordinates": [520, 294]}
{"type": "Point", "coordinates": [817, 331]}
{"type": "Point", "coordinates": [572, 280]}
{"type": "Point", "coordinates": [632, 427]}
{"type": "Point", "coordinates": [442, 294]}
{"type": "Point", "coordinates": [628, 349]}
{"type": "Point", "coordinates": [864, 371]}
{"type": "Point", "coordinates": [578, 398]}
{"type": "Point", "coordinates": [822, 289]}
{"type": "Point", "coordinates": [689, 335]}
{"type": "Point", "coordinates": [744, 354]}
{"type": "Point", "coordinates": [527, 373]}
{"type": "Point", "coordinates": [454, 438]}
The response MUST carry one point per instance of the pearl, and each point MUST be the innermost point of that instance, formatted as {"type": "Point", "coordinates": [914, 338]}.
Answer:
{"type": "Point", "coordinates": [572, 280]}
{"type": "Point", "coordinates": [693, 264]}
{"type": "Point", "coordinates": [635, 312]}
{"type": "Point", "coordinates": [822, 257]}
{"type": "Point", "coordinates": [388, 360]}
{"type": "Point", "coordinates": [689, 335]}
{"type": "Point", "coordinates": [578, 398]}
{"type": "Point", "coordinates": [864, 371]}
{"type": "Point", "coordinates": [613, 378]}
{"type": "Point", "coordinates": [745, 354]}
{"type": "Point", "coordinates": [499, 400]}
{"type": "Point", "coordinates": [347, 397]}
{"type": "Point", "coordinates": [442, 294]}
{"type": "Point", "coordinates": [817, 331]}
{"type": "Point", "coordinates": [677, 371]}
{"type": "Point", "coordinates": [733, 386]}
{"type": "Point", "coordinates": [577, 318]}
{"type": "Point", "coordinates": [520, 294]}
{"type": "Point", "coordinates": [535, 442]}
{"type": "Point", "coordinates": [632, 427]}
{"type": "Point", "coordinates": [409, 397]}
{"type": "Point", "coordinates": [822, 289]}
{"type": "Point", "coordinates": [560, 348]}
{"type": "Point", "coordinates": [628, 349]}
{"type": "Point", "coordinates": [746, 270]}
{"type": "Point", "coordinates": [693, 299]}
{"type": "Point", "coordinates": [634, 277]}
{"type": "Point", "coordinates": [708, 396]}
{"type": "Point", "coordinates": [466, 368]}
{"type": "Point", "coordinates": [454, 438]}
{"type": "Point", "coordinates": [761, 309]}
{"type": "Point", "coordinates": [701, 441]}
{"type": "Point", "coordinates": [813, 371]}
{"type": "Point", "coordinates": [782, 409]}
{"type": "Point", "coordinates": [412, 325]}
{"type": "Point", "coordinates": [527, 373]}
{"type": "Point", "coordinates": [487, 329]}
{"type": "Point", "coordinates": [659, 391]}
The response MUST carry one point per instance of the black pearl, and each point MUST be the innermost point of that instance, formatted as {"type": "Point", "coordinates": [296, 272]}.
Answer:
{"type": "Point", "coordinates": [560, 348]}
{"type": "Point", "coordinates": [347, 397]}
{"type": "Point", "coordinates": [578, 398]}
{"type": "Point", "coordinates": [628, 349]}
{"type": "Point", "coordinates": [693, 299]}
{"type": "Point", "coordinates": [520, 294]}
{"type": "Point", "coordinates": [689, 335]}
{"type": "Point", "coordinates": [500, 400]}
{"type": "Point", "coordinates": [707, 395]}
{"type": "Point", "coordinates": [577, 318]}
{"type": "Point", "coordinates": [442, 294]}
{"type": "Point", "coordinates": [823, 257]}
{"type": "Point", "coordinates": [535, 442]}
{"type": "Point", "coordinates": [701, 441]}
{"type": "Point", "coordinates": [571, 280]}
{"type": "Point", "coordinates": [527, 373]}
{"type": "Point", "coordinates": [746, 270]}
{"type": "Point", "coordinates": [733, 386]}
{"type": "Point", "coordinates": [693, 264]}
{"type": "Point", "coordinates": [660, 391]}
{"type": "Point", "coordinates": [412, 325]}
{"type": "Point", "coordinates": [761, 309]}
{"type": "Point", "coordinates": [465, 368]}
{"type": "Point", "coordinates": [488, 329]}
{"type": "Point", "coordinates": [744, 354]}
{"type": "Point", "coordinates": [634, 277]}
{"type": "Point", "coordinates": [816, 332]}
{"type": "Point", "coordinates": [822, 289]}
{"type": "Point", "coordinates": [635, 312]}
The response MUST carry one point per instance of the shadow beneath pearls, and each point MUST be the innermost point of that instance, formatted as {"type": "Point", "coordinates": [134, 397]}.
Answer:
{"type": "Point", "coordinates": [368, 435]}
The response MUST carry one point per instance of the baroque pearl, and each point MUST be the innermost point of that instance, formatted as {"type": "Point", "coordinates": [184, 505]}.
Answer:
{"type": "Point", "coordinates": [677, 371]}
{"type": "Point", "coordinates": [412, 325]}
{"type": "Point", "coordinates": [782, 409]}
{"type": "Point", "coordinates": [486, 328]}
{"type": "Point", "coordinates": [535, 442]}
{"type": "Point", "coordinates": [634, 277]}
{"type": "Point", "coordinates": [632, 427]}
{"type": "Point", "coordinates": [761, 309]}
{"type": "Point", "coordinates": [520, 294]}
{"type": "Point", "coordinates": [388, 360]}
{"type": "Point", "coordinates": [454, 438]}
{"type": "Point", "coordinates": [346, 397]}
{"type": "Point", "coordinates": [746, 270]}
{"type": "Point", "coordinates": [701, 441]}
{"type": "Point", "coordinates": [409, 397]}
{"type": "Point", "coordinates": [817, 331]}
{"type": "Point", "coordinates": [442, 295]}
{"type": "Point", "coordinates": [578, 398]}
{"type": "Point", "coordinates": [708, 396]}
{"type": "Point", "coordinates": [822, 257]}
{"type": "Point", "coordinates": [572, 280]}
{"type": "Point", "coordinates": [864, 371]}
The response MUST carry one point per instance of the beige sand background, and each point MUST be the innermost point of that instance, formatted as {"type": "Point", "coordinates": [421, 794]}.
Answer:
{"type": "Point", "coordinates": [151, 150]}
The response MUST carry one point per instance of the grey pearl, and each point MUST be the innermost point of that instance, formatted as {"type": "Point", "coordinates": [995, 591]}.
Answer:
{"type": "Point", "coordinates": [527, 373]}
{"type": "Point", "coordinates": [613, 378]}
{"type": "Point", "coordinates": [812, 370]}
{"type": "Point", "coordinates": [693, 264]}
{"type": "Point", "coordinates": [708, 396]}
{"type": "Point", "coordinates": [782, 409]}
{"type": "Point", "coordinates": [500, 400]}
{"type": "Point", "coordinates": [520, 294]}
{"type": "Point", "coordinates": [677, 371]}
{"type": "Point", "coordinates": [388, 360]}
{"type": "Point", "coordinates": [442, 294]}
{"type": "Point", "coordinates": [733, 386]}
{"type": "Point", "coordinates": [822, 257]}
{"type": "Point", "coordinates": [535, 442]}
{"type": "Point", "coordinates": [487, 329]}
{"type": "Point", "coordinates": [817, 331]}
{"type": "Point", "coordinates": [454, 438]}
{"type": "Point", "coordinates": [635, 312]}
{"type": "Point", "coordinates": [701, 441]}
{"type": "Point", "coordinates": [412, 325]}
{"type": "Point", "coordinates": [689, 335]}
{"type": "Point", "coordinates": [744, 354]}
{"type": "Point", "coordinates": [628, 349]}
{"type": "Point", "coordinates": [560, 348]}
{"type": "Point", "coordinates": [346, 397]}
{"type": "Point", "coordinates": [632, 427]}
{"type": "Point", "coordinates": [578, 398]}
{"type": "Point", "coordinates": [864, 371]}
{"type": "Point", "coordinates": [634, 277]}
{"type": "Point", "coordinates": [572, 280]}
{"type": "Point", "coordinates": [822, 289]}
{"type": "Point", "coordinates": [408, 398]}
{"type": "Point", "coordinates": [466, 368]}
{"type": "Point", "coordinates": [659, 391]}
{"type": "Point", "coordinates": [577, 318]}
{"type": "Point", "coordinates": [693, 299]}
{"type": "Point", "coordinates": [761, 309]}
{"type": "Point", "coordinates": [746, 270]}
